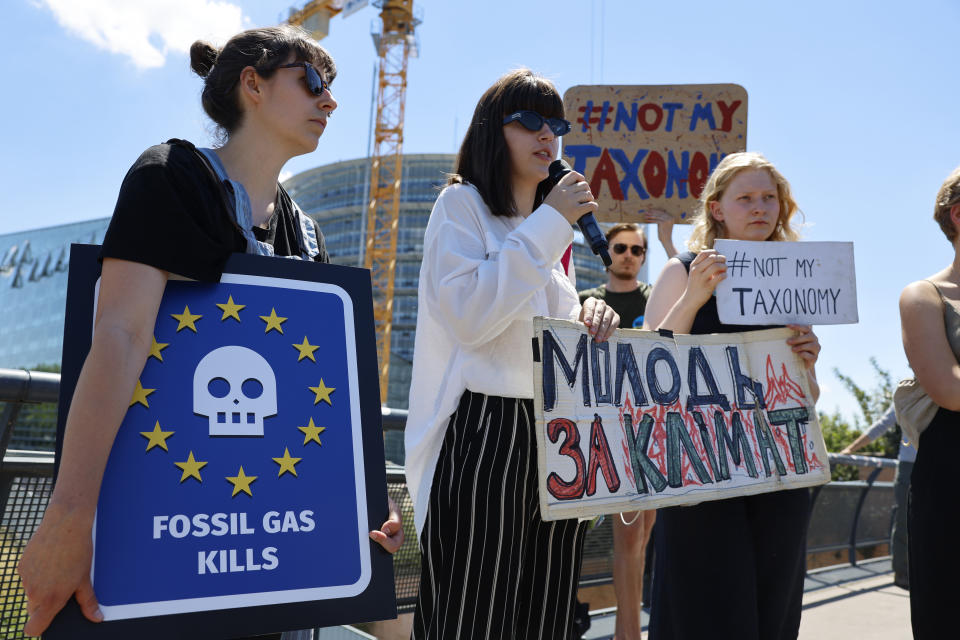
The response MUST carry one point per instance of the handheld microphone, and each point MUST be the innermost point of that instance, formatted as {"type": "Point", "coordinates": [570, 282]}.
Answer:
{"type": "Point", "coordinates": [587, 223]}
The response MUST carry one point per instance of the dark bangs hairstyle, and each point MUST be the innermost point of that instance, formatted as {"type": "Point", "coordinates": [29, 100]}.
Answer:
{"type": "Point", "coordinates": [484, 160]}
{"type": "Point", "coordinates": [263, 49]}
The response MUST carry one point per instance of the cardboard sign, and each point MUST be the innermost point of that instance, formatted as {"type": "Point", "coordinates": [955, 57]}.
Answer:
{"type": "Point", "coordinates": [646, 420]}
{"type": "Point", "coordinates": [249, 468]}
{"type": "Point", "coordinates": [787, 283]}
{"type": "Point", "coordinates": [652, 147]}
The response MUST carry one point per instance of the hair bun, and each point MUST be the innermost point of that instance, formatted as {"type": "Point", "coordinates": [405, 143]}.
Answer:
{"type": "Point", "coordinates": [203, 56]}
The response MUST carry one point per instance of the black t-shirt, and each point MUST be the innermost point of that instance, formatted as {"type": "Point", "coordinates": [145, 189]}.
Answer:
{"type": "Point", "coordinates": [631, 305]}
{"type": "Point", "coordinates": [171, 214]}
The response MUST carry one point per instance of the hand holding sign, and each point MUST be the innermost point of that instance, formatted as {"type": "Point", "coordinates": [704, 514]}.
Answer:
{"type": "Point", "coordinates": [390, 535]}
{"type": "Point", "coordinates": [805, 344]}
{"type": "Point", "coordinates": [601, 320]}
{"type": "Point", "coordinates": [707, 271]}
{"type": "Point", "coordinates": [52, 573]}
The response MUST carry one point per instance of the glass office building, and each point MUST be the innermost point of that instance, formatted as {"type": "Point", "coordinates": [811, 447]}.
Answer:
{"type": "Point", "coordinates": [33, 290]}
{"type": "Point", "coordinates": [33, 293]}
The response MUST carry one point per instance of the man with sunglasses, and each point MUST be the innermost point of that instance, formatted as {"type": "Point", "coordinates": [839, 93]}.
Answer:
{"type": "Point", "coordinates": [628, 297]}
{"type": "Point", "coordinates": [628, 250]}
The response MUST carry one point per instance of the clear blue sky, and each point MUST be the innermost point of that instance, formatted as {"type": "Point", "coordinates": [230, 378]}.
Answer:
{"type": "Point", "coordinates": [856, 103]}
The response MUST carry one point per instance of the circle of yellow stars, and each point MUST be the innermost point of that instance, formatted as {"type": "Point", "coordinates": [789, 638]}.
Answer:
{"type": "Point", "coordinates": [191, 467]}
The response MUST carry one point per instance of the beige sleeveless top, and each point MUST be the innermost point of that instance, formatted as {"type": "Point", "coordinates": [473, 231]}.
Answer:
{"type": "Point", "coordinates": [951, 321]}
{"type": "Point", "coordinates": [914, 408]}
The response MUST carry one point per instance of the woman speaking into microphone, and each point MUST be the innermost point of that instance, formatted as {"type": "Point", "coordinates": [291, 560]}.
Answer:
{"type": "Point", "coordinates": [491, 567]}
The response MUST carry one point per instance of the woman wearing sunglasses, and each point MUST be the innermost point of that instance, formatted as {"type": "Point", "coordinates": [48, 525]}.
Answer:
{"type": "Point", "coordinates": [748, 552]}
{"type": "Point", "coordinates": [491, 567]}
{"type": "Point", "coordinates": [182, 211]}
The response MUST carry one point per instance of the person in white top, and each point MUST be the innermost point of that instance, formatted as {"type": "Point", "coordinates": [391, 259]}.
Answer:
{"type": "Point", "coordinates": [491, 567]}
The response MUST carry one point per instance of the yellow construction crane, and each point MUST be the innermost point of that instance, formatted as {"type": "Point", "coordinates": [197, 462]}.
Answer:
{"type": "Point", "coordinates": [395, 43]}
{"type": "Point", "coordinates": [315, 16]}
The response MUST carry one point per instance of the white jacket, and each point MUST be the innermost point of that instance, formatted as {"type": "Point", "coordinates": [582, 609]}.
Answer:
{"type": "Point", "coordinates": [482, 281]}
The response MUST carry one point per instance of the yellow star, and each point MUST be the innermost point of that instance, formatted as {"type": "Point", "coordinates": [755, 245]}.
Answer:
{"type": "Point", "coordinates": [241, 482]}
{"type": "Point", "coordinates": [186, 319]}
{"type": "Point", "coordinates": [191, 468]}
{"type": "Point", "coordinates": [157, 437]}
{"type": "Point", "coordinates": [140, 395]}
{"type": "Point", "coordinates": [230, 310]}
{"type": "Point", "coordinates": [273, 321]}
{"type": "Point", "coordinates": [156, 348]}
{"type": "Point", "coordinates": [287, 462]}
{"type": "Point", "coordinates": [306, 350]}
{"type": "Point", "coordinates": [323, 393]}
{"type": "Point", "coordinates": [311, 432]}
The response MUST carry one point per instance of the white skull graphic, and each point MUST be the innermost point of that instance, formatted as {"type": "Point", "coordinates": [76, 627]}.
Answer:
{"type": "Point", "coordinates": [235, 388]}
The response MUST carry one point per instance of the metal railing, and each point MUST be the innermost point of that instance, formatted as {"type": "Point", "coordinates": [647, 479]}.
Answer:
{"type": "Point", "coordinates": [845, 515]}
{"type": "Point", "coordinates": [865, 506]}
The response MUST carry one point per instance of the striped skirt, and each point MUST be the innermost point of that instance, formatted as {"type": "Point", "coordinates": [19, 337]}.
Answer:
{"type": "Point", "coordinates": [491, 567]}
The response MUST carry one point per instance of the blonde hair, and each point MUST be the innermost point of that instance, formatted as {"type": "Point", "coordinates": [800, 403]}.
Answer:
{"type": "Point", "coordinates": [947, 197]}
{"type": "Point", "coordinates": [706, 228]}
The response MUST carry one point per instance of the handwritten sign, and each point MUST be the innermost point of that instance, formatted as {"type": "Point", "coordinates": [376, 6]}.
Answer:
{"type": "Point", "coordinates": [646, 147]}
{"type": "Point", "coordinates": [646, 420]}
{"type": "Point", "coordinates": [787, 283]}
{"type": "Point", "coordinates": [248, 468]}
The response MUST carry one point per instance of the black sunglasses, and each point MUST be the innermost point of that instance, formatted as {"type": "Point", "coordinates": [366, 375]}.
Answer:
{"type": "Point", "coordinates": [534, 122]}
{"type": "Point", "coordinates": [315, 83]}
{"type": "Point", "coordinates": [635, 249]}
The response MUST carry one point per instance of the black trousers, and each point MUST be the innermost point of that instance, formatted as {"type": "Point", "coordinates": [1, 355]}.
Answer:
{"type": "Point", "coordinates": [731, 568]}
{"type": "Point", "coordinates": [934, 529]}
{"type": "Point", "coordinates": [490, 566]}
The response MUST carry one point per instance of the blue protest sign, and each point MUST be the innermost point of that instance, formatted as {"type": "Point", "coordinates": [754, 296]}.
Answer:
{"type": "Point", "coordinates": [239, 476]}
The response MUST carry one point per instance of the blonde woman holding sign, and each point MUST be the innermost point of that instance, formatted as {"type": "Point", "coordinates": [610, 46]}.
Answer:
{"type": "Point", "coordinates": [930, 317]}
{"type": "Point", "coordinates": [729, 568]}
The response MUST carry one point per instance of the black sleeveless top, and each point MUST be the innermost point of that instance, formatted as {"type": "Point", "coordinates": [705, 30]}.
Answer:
{"type": "Point", "coordinates": [707, 320]}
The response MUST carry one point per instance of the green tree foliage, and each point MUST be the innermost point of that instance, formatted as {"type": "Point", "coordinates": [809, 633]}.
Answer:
{"type": "Point", "coordinates": [873, 403]}
{"type": "Point", "coordinates": [838, 432]}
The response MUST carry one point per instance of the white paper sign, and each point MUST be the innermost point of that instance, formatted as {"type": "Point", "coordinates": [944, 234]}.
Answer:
{"type": "Point", "coordinates": [787, 283]}
{"type": "Point", "coordinates": [648, 420]}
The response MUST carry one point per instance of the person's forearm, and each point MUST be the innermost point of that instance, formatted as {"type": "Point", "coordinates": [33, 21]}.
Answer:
{"type": "Point", "coordinates": [100, 401]}
{"type": "Point", "coordinates": [629, 552]}
{"type": "Point", "coordinates": [857, 444]}
{"type": "Point", "coordinates": [667, 244]}
{"type": "Point", "coordinates": [680, 317]}
{"type": "Point", "coordinates": [814, 385]}
{"type": "Point", "coordinates": [944, 390]}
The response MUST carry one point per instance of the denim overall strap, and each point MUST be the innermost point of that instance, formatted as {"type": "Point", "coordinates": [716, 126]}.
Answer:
{"type": "Point", "coordinates": [307, 227]}
{"type": "Point", "coordinates": [243, 214]}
